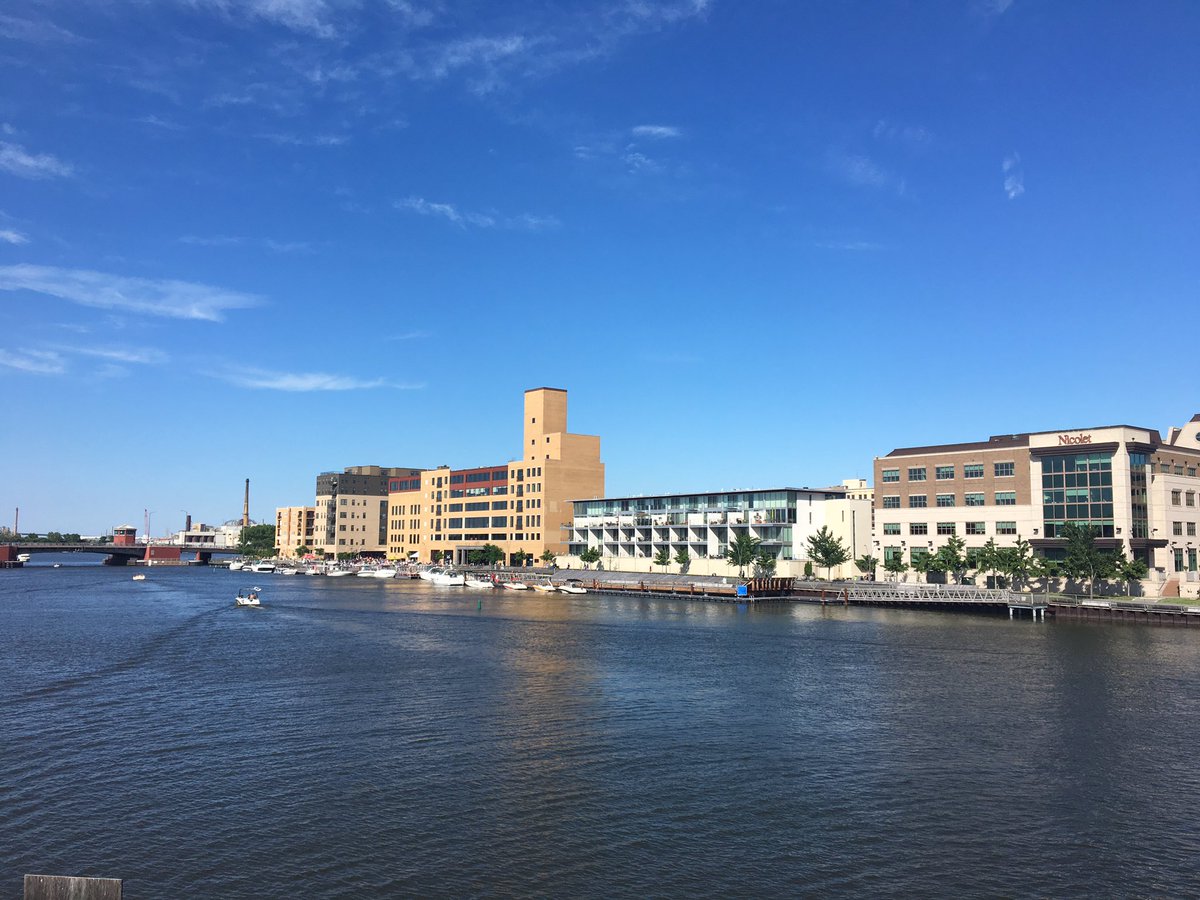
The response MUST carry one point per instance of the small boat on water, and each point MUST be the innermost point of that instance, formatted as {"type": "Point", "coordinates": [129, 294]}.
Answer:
{"type": "Point", "coordinates": [514, 586]}
{"type": "Point", "coordinates": [313, 570]}
{"type": "Point", "coordinates": [139, 577]}
{"type": "Point", "coordinates": [237, 565]}
{"type": "Point", "coordinates": [366, 572]}
{"type": "Point", "coordinates": [338, 573]}
{"type": "Point", "coordinates": [475, 581]}
{"type": "Point", "coordinates": [572, 586]}
{"type": "Point", "coordinates": [450, 578]}
{"type": "Point", "coordinates": [247, 598]}
{"type": "Point", "coordinates": [386, 572]}
{"type": "Point", "coordinates": [545, 587]}
{"type": "Point", "coordinates": [263, 565]}
{"type": "Point", "coordinates": [24, 557]}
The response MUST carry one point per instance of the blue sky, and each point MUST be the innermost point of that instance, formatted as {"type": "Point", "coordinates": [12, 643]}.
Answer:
{"type": "Point", "coordinates": [760, 243]}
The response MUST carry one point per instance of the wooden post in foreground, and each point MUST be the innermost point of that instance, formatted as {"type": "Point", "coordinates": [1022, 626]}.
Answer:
{"type": "Point", "coordinates": [67, 887]}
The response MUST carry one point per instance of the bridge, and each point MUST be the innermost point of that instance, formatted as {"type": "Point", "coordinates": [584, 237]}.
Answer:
{"type": "Point", "coordinates": [120, 554]}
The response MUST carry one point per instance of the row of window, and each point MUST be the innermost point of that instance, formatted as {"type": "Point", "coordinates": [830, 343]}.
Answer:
{"type": "Point", "coordinates": [1167, 468]}
{"type": "Point", "coordinates": [1189, 498]}
{"type": "Point", "coordinates": [978, 498]}
{"type": "Point", "coordinates": [945, 473]}
{"type": "Point", "coordinates": [973, 528]}
{"type": "Point", "coordinates": [1177, 528]}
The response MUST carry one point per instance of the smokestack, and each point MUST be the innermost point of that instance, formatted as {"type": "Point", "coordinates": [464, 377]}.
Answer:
{"type": "Point", "coordinates": [187, 525]}
{"type": "Point", "coordinates": [246, 506]}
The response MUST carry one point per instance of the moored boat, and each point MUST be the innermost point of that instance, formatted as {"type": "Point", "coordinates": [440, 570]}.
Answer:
{"type": "Point", "coordinates": [514, 586]}
{"type": "Point", "coordinates": [572, 586]}
{"type": "Point", "coordinates": [477, 581]}
{"type": "Point", "coordinates": [263, 565]}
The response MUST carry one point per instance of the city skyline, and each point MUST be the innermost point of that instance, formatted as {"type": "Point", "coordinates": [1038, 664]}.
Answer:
{"type": "Point", "coordinates": [757, 245]}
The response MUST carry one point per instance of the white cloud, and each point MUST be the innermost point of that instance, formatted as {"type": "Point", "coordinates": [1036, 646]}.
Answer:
{"type": "Point", "coordinates": [35, 32]}
{"type": "Point", "coordinates": [311, 16]}
{"type": "Point", "coordinates": [166, 298]}
{"type": "Point", "coordinates": [640, 163]}
{"type": "Point", "coordinates": [228, 240]}
{"type": "Point", "coordinates": [464, 218]}
{"type": "Point", "coordinates": [991, 7]}
{"type": "Point", "coordinates": [862, 171]}
{"type": "Point", "coordinates": [299, 382]}
{"type": "Point", "coordinates": [1014, 176]}
{"type": "Point", "coordinates": [37, 362]}
{"type": "Point", "coordinates": [140, 356]}
{"type": "Point", "coordinates": [656, 131]}
{"type": "Point", "coordinates": [15, 160]}
{"type": "Point", "coordinates": [408, 336]}
{"type": "Point", "coordinates": [316, 140]}
{"type": "Point", "coordinates": [9, 236]}
{"type": "Point", "coordinates": [914, 137]}
{"type": "Point", "coordinates": [849, 246]}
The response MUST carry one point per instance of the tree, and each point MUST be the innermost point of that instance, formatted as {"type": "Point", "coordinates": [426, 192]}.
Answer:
{"type": "Point", "coordinates": [949, 558]}
{"type": "Point", "coordinates": [521, 557]}
{"type": "Point", "coordinates": [590, 555]}
{"type": "Point", "coordinates": [548, 556]}
{"type": "Point", "coordinates": [922, 561]}
{"type": "Point", "coordinates": [663, 558]}
{"type": "Point", "coordinates": [302, 551]}
{"type": "Point", "coordinates": [741, 552]}
{"type": "Point", "coordinates": [684, 559]}
{"type": "Point", "coordinates": [764, 564]}
{"type": "Point", "coordinates": [867, 565]}
{"type": "Point", "coordinates": [1129, 570]}
{"type": "Point", "coordinates": [826, 550]}
{"type": "Point", "coordinates": [988, 558]}
{"type": "Point", "coordinates": [1084, 559]}
{"type": "Point", "coordinates": [895, 565]}
{"type": "Point", "coordinates": [54, 537]}
{"type": "Point", "coordinates": [490, 554]}
{"type": "Point", "coordinates": [257, 540]}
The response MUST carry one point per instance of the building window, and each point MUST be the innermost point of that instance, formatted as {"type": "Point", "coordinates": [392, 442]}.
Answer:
{"type": "Point", "coordinates": [1004, 469]}
{"type": "Point", "coordinates": [973, 499]}
{"type": "Point", "coordinates": [917, 501]}
{"type": "Point", "coordinates": [973, 470]}
{"type": "Point", "coordinates": [1189, 499]}
{"type": "Point", "coordinates": [1006, 498]}
{"type": "Point", "coordinates": [945, 499]}
{"type": "Point", "coordinates": [890, 553]}
{"type": "Point", "coordinates": [916, 473]}
{"type": "Point", "coordinates": [1191, 529]}
{"type": "Point", "coordinates": [1176, 497]}
{"type": "Point", "coordinates": [943, 473]}
{"type": "Point", "coordinates": [891, 527]}
{"type": "Point", "coordinates": [1177, 528]}
{"type": "Point", "coordinates": [976, 528]}
{"type": "Point", "coordinates": [891, 502]}
{"type": "Point", "coordinates": [1179, 470]}
{"type": "Point", "coordinates": [945, 528]}
{"type": "Point", "coordinates": [890, 475]}
{"type": "Point", "coordinates": [1191, 471]}
{"type": "Point", "coordinates": [918, 528]}
{"type": "Point", "coordinates": [1006, 528]}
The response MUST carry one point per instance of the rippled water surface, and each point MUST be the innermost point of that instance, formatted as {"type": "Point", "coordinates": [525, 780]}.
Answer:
{"type": "Point", "coordinates": [363, 738]}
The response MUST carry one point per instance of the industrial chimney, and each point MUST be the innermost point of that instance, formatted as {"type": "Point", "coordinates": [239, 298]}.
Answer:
{"type": "Point", "coordinates": [246, 506]}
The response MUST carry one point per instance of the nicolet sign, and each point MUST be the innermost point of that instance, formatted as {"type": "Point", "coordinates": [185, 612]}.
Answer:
{"type": "Point", "coordinates": [1074, 439]}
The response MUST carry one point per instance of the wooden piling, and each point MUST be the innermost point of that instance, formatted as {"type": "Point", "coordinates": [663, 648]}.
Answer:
{"type": "Point", "coordinates": [68, 887]}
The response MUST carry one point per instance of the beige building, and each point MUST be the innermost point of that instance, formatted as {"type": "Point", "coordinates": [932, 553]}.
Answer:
{"type": "Point", "coordinates": [351, 510]}
{"type": "Point", "coordinates": [295, 526]}
{"type": "Point", "coordinates": [1139, 491]}
{"type": "Point", "coordinates": [522, 506]}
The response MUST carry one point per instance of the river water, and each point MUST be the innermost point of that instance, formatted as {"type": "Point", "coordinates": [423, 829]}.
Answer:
{"type": "Point", "coordinates": [360, 738]}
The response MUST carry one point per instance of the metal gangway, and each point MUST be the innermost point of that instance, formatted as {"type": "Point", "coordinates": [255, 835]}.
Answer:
{"type": "Point", "coordinates": [898, 593]}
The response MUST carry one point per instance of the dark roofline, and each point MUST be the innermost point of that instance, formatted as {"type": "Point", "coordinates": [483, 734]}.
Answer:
{"type": "Point", "coordinates": [996, 442]}
{"type": "Point", "coordinates": [531, 390]}
{"type": "Point", "coordinates": [837, 490]}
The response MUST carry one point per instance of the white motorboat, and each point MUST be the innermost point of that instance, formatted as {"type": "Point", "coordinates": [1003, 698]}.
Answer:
{"type": "Point", "coordinates": [289, 571]}
{"type": "Point", "coordinates": [263, 565]}
{"type": "Point", "coordinates": [514, 586]}
{"type": "Point", "coordinates": [386, 572]}
{"type": "Point", "coordinates": [139, 577]}
{"type": "Point", "coordinates": [313, 570]}
{"type": "Point", "coordinates": [545, 587]}
{"type": "Point", "coordinates": [449, 578]}
{"type": "Point", "coordinates": [474, 581]}
{"type": "Point", "coordinates": [237, 565]}
{"type": "Point", "coordinates": [572, 586]}
{"type": "Point", "coordinates": [428, 574]}
{"type": "Point", "coordinates": [338, 573]}
{"type": "Point", "coordinates": [247, 598]}
{"type": "Point", "coordinates": [366, 572]}
{"type": "Point", "coordinates": [24, 557]}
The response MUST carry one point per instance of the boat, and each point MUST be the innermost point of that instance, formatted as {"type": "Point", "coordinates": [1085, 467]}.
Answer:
{"type": "Point", "coordinates": [338, 573]}
{"type": "Point", "coordinates": [247, 598]}
{"type": "Point", "coordinates": [263, 565]}
{"type": "Point", "coordinates": [450, 578]}
{"type": "Point", "coordinates": [572, 586]}
{"type": "Point", "coordinates": [24, 557]}
{"type": "Point", "coordinates": [313, 570]}
{"type": "Point", "coordinates": [514, 586]}
{"type": "Point", "coordinates": [139, 577]}
{"type": "Point", "coordinates": [237, 565]}
{"type": "Point", "coordinates": [428, 574]}
{"type": "Point", "coordinates": [366, 572]}
{"type": "Point", "coordinates": [386, 572]}
{"type": "Point", "coordinates": [476, 581]}
{"type": "Point", "coordinates": [289, 572]}
{"type": "Point", "coordinates": [545, 587]}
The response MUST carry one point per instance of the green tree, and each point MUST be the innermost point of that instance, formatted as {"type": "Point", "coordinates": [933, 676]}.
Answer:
{"type": "Point", "coordinates": [764, 564]}
{"type": "Point", "coordinates": [302, 551]}
{"type": "Point", "coordinates": [949, 558]}
{"type": "Point", "coordinates": [548, 556]}
{"type": "Point", "coordinates": [867, 565]}
{"type": "Point", "coordinates": [590, 555]}
{"type": "Point", "coordinates": [54, 537]}
{"type": "Point", "coordinates": [436, 556]}
{"type": "Point", "coordinates": [988, 557]}
{"type": "Point", "coordinates": [1129, 570]}
{"type": "Point", "coordinates": [663, 558]}
{"type": "Point", "coordinates": [475, 557]}
{"type": "Point", "coordinates": [741, 552]}
{"type": "Point", "coordinates": [826, 550]}
{"type": "Point", "coordinates": [922, 561]}
{"type": "Point", "coordinates": [684, 559]}
{"type": "Point", "coordinates": [491, 554]}
{"type": "Point", "coordinates": [1084, 559]}
{"type": "Point", "coordinates": [257, 540]}
{"type": "Point", "coordinates": [895, 565]}
{"type": "Point", "coordinates": [521, 557]}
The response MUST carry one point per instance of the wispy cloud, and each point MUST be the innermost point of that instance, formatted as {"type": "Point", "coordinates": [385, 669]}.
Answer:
{"type": "Point", "coordinates": [15, 160]}
{"type": "Point", "coordinates": [657, 132]}
{"type": "Point", "coordinates": [991, 8]}
{"type": "Point", "coordinates": [464, 218]}
{"type": "Point", "coordinates": [862, 171]}
{"type": "Point", "coordinates": [166, 298]}
{"type": "Point", "coordinates": [312, 16]}
{"type": "Point", "coordinates": [9, 236]}
{"type": "Point", "coordinates": [37, 362]}
{"type": "Point", "coordinates": [139, 356]}
{"type": "Point", "coordinates": [300, 382]}
{"type": "Point", "coordinates": [229, 240]}
{"type": "Point", "coordinates": [33, 31]}
{"type": "Point", "coordinates": [1014, 176]}
{"type": "Point", "coordinates": [849, 246]}
{"type": "Point", "coordinates": [301, 140]}
{"type": "Point", "coordinates": [914, 137]}
{"type": "Point", "coordinates": [407, 336]}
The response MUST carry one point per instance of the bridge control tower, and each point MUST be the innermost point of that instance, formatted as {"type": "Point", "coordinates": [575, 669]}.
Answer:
{"type": "Point", "coordinates": [125, 535]}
